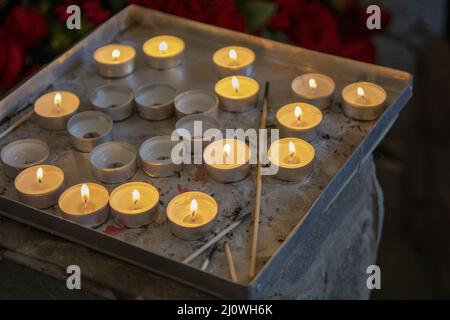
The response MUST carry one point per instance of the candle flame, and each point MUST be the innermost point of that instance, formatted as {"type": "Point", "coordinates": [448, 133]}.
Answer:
{"type": "Point", "coordinates": [115, 54]}
{"type": "Point", "coordinates": [136, 196]}
{"type": "Point", "coordinates": [57, 100]}
{"type": "Point", "coordinates": [163, 47]}
{"type": "Point", "coordinates": [39, 175]}
{"type": "Point", "coordinates": [361, 92]}
{"type": "Point", "coordinates": [84, 194]}
{"type": "Point", "coordinates": [235, 84]}
{"type": "Point", "coordinates": [193, 206]}
{"type": "Point", "coordinates": [227, 150]}
{"type": "Point", "coordinates": [298, 113]}
{"type": "Point", "coordinates": [312, 83]}
{"type": "Point", "coordinates": [291, 148]}
{"type": "Point", "coordinates": [233, 55]}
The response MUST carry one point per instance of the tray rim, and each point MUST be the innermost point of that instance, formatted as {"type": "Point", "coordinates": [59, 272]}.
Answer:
{"type": "Point", "coordinates": [129, 16]}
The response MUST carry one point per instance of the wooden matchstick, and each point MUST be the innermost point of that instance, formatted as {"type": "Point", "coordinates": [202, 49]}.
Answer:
{"type": "Point", "coordinates": [230, 262]}
{"type": "Point", "coordinates": [16, 124]}
{"type": "Point", "coordinates": [252, 272]}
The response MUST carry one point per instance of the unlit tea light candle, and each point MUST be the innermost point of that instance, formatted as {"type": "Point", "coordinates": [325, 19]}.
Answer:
{"type": "Point", "coordinates": [314, 88]}
{"type": "Point", "coordinates": [115, 60]}
{"type": "Point", "coordinates": [237, 93]}
{"type": "Point", "coordinates": [227, 160]}
{"type": "Point", "coordinates": [293, 157]}
{"type": "Point", "coordinates": [164, 52]}
{"type": "Point", "coordinates": [155, 101]}
{"type": "Point", "coordinates": [233, 60]}
{"type": "Point", "coordinates": [53, 109]}
{"type": "Point", "coordinates": [364, 101]}
{"type": "Point", "coordinates": [134, 204]}
{"type": "Point", "coordinates": [116, 100]}
{"type": "Point", "coordinates": [85, 204]}
{"type": "Point", "coordinates": [299, 120]}
{"type": "Point", "coordinates": [192, 214]}
{"type": "Point", "coordinates": [40, 186]}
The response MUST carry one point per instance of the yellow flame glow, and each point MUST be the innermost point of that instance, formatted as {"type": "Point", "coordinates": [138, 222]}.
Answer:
{"type": "Point", "coordinates": [298, 112]}
{"type": "Point", "coordinates": [292, 149]}
{"type": "Point", "coordinates": [58, 99]}
{"type": "Point", "coordinates": [40, 175]}
{"type": "Point", "coordinates": [136, 196]}
{"type": "Point", "coordinates": [361, 92]}
{"type": "Point", "coordinates": [84, 193]}
{"type": "Point", "coordinates": [233, 55]}
{"type": "Point", "coordinates": [163, 47]}
{"type": "Point", "coordinates": [312, 83]}
{"type": "Point", "coordinates": [227, 150]}
{"type": "Point", "coordinates": [235, 84]}
{"type": "Point", "coordinates": [115, 54]}
{"type": "Point", "coordinates": [193, 206]}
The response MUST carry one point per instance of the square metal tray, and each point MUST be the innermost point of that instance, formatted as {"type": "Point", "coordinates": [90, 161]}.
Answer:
{"type": "Point", "coordinates": [288, 210]}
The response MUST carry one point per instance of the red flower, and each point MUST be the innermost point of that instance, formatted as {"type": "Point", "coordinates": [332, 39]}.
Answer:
{"type": "Point", "coordinates": [358, 49]}
{"type": "Point", "coordinates": [12, 60]}
{"type": "Point", "coordinates": [94, 13]}
{"type": "Point", "coordinates": [26, 25]}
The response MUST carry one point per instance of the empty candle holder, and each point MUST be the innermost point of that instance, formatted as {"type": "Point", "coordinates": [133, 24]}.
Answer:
{"type": "Point", "coordinates": [116, 100]}
{"type": "Point", "coordinates": [195, 102]}
{"type": "Point", "coordinates": [155, 101]}
{"type": "Point", "coordinates": [113, 162]}
{"type": "Point", "coordinates": [89, 129]}
{"type": "Point", "coordinates": [200, 136]}
{"type": "Point", "coordinates": [156, 157]}
{"type": "Point", "coordinates": [22, 154]}
{"type": "Point", "coordinates": [85, 204]}
{"type": "Point", "coordinates": [115, 60]}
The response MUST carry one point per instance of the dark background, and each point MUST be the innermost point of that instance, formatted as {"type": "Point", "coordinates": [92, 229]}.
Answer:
{"type": "Point", "coordinates": [413, 161]}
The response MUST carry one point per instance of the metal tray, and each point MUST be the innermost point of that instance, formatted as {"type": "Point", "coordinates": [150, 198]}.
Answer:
{"type": "Point", "coordinates": [288, 210]}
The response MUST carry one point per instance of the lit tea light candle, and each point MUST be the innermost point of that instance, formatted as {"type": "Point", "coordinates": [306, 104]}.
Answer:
{"type": "Point", "coordinates": [134, 204]}
{"type": "Point", "coordinates": [364, 101]}
{"type": "Point", "coordinates": [237, 93]}
{"type": "Point", "coordinates": [293, 157]}
{"type": "Point", "coordinates": [115, 60]}
{"type": "Point", "coordinates": [233, 60]}
{"type": "Point", "coordinates": [227, 160]}
{"type": "Point", "coordinates": [192, 215]}
{"type": "Point", "coordinates": [164, 52]}
{"type": "Point", "coordinates": [85, 204]}
{"type": "Point", "coordinates": [53, 109]}
{"type": "Point", "coordinates": [314, 88]}
{"type": "Point", "coordinates": [40, 186]}
{"type": "Point", "coordinates": [299, 120]}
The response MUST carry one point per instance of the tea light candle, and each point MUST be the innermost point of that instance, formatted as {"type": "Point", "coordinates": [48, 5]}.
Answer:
{"type": "Point", "coordinates": [116, 100]}
{"type": "Point", "coordinates": [22, 154]}
{"type": "Point", "coordinates": [227, 160]}
{"type": "Point", "coordinates": [113, 162]}
{"type": "Point", "coordinates": [40, 186]}
{"type": "Point", "coordinates": [115, 60]}
{"type": "Point", "coordinates": [314, 88]}
{"type": "Point", "coordinates": [85, 204]}
{"type": "Point", "coordinates": [164, 52]}
{"type": "Point", "coordinates": [155, 154]}
{"type": "Point", "coordinates": [237, 93]}
{"type": "Point", "coordinates": [155, 101]}
{"type": "Point", "coordinates": [364, 101]}
{"type": "Point", "coordinates": [293, 157]}
{"type": "Point", "coordinates": [134, 204]}
{"type": "Point", "coordinates": [299, 120]}
{"type": "Point", "coordinates": [192, 215]}
{"type": "Point", "coordinates": [233, 60]}
{"type": "Point", "coordinates": [53, 109]}
{"type": "Point", "coordinates": [196, 101]}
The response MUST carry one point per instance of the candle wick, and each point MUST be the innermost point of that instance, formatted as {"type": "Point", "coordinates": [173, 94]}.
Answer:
{"type": "Point", "coordinates": [193, 215]}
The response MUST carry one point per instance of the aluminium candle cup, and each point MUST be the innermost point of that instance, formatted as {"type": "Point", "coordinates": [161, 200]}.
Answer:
{"type": "Point", "coordinates": [306, 128]}
{"type": "Point", "coordinates": [202, 138]}
{"type": "Point", "coordinates": [113, 162]}
{"type": "Point", "coordinates": [50, 116]}
{"type": "Point", "coordinates": [178, 210]}
{"type": "Point", "coordinates": [22, 154]}
{"type": "Point", "coordinates": [196, 102]}
{"type": "Point", "coordinates": [108, 67]}
{"type": "Point", "coordinates": [292, 172]}
{"type": "Point", "coordinates": [124, 214]}
{"type": "Point", "coordinates": [95, 212]}
{"type": "Point", "coordinates": [33, 194]}
{"type": "Point", "coordinates": [89, 129]}
{"type": "Point", "coordinates": [225, 67]}
{"type": "Point", "coordinates": [239, 103]}
{"type": "Point", "coordinates": [371, 107]}
{"type": "Point", "coordinates": [163, 61]}
{"type": "Point", "coordinates": [216, 166]}
{"type": "Point", "coordinates": [116, 100]}
{"type": "Point", "coordinates": [321, 96]}
{"type": "Point", "coordinates": [155, 101]}
{"type": "Point", "coordinates": [155, 154]}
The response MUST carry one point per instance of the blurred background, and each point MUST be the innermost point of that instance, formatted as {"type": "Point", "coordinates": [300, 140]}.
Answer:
{"type": "Point", "coordinates": [413, 160]}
